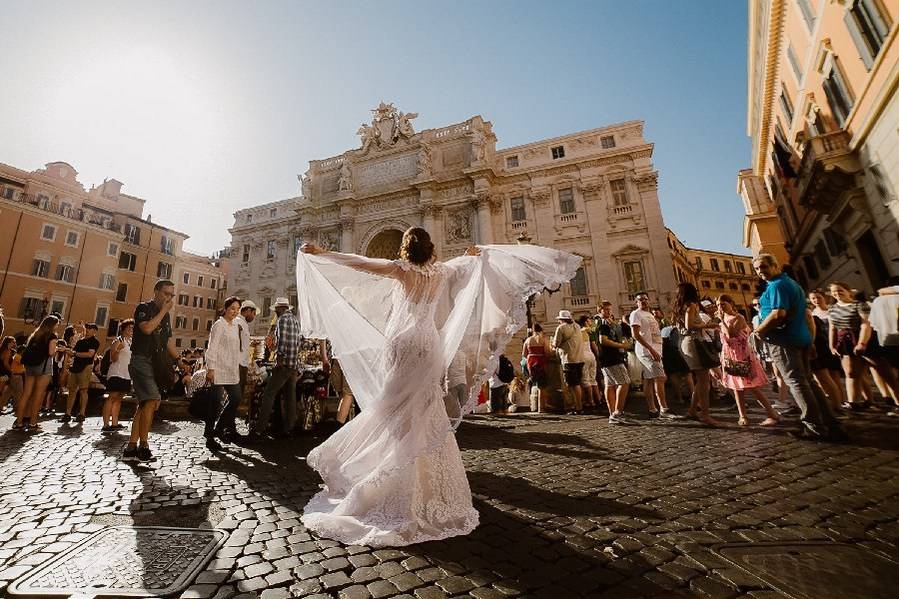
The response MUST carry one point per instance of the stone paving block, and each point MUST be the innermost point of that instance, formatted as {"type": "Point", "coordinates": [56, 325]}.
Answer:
{"type": "Point", "coordinates": [433, 592]}
{"type": "Point", "coordinates": [455, 585]}
{"type": "Point", "coordinates": [279, 578]}
{"type": "Point", "coordinates": [308, 571]}
{"type": "Point", "coordinates": [357, 591]}
{"type": "Point", "coordinates": [260, 569]}
{"type": "Point", "coordinates": [336, 580]}
{"type": "Point", "coordinates": [200, 591]}
{"type": "Point", "coordinates": [336, 563]}
{"type": "Point", "coordinates": [381, 588]}
{"type": "Point", "coordinates": [706, 586]}
{"type": "Point", "coordinates": [406, 581]}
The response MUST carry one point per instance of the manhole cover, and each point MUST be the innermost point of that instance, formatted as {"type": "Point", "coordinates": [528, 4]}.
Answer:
{"type": "Point", "coordinates": [810, 570]}
{"type": "Point", "coordinates": [125, 561]}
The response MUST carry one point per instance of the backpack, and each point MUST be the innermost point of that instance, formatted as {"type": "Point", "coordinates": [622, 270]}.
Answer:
{"type": "Point", "coordinates": [105, 363]}
{"type": "Point", "coordinates": [506, 372]}
{"type": "Point", "coordinates": [32, 356]}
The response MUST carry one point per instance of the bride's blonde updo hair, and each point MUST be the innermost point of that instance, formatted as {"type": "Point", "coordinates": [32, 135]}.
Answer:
{"type": "Point", "coordinates": [417, 247]}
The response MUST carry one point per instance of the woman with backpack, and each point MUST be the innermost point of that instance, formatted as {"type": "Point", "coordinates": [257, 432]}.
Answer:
{"type": "Point", "coordinates": [114, 367]}
{"type": "Point", "coordinates": [37, 359]}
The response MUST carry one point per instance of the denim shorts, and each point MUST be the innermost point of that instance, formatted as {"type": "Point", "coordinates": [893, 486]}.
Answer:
{"type": "Point", "coordinates": [45, 368]}
{"type": "Point", "coordinates": [141, 370]}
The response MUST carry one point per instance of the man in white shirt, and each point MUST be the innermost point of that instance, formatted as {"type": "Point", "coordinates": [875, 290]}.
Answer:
{"type": "Point", "coordinates": [648, 346]}
{"type": "Point", "coordinates": [227, 422]}
{"type": "Point", "coordinates": [568, 341]}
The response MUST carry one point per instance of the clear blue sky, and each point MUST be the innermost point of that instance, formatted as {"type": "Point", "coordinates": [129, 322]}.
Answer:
{"type": "Point", "coordinates": [206, 107]}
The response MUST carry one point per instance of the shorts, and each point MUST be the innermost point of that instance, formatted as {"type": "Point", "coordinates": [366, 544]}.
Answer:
{"type": "Point", "coordinates": [589, 378]}
{"type": "Point", "coordinates": [141, 370]}
{"type": "Point", "coordinates": [79, 380]}
{"type": "Point", "coordinates": [338, 381]}
{"type": "Point", "coordinates": [574, 373]}
{"type": "Point", "coordinates": [651, 368]}
{"type": "Point", "coordinates": [616, 376]}
{"type": "Point", "coordinates": [42, 369]}
{"type": "Point", "coordinates": [115, 384]}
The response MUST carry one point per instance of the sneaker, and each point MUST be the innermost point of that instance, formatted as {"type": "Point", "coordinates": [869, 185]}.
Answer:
{"type": "Point", "coordinates": [791, 411]}
{"type": "Point", "coordinates": [79, 418]}
{"type": "Point", "coordinates": [65, 418]}
{"type": "Point", "coordinates": [145, 455]}
{"type": "Point", "coordinates": [131, 454]}
{"type": "Point", "coordinates": [615, 419]}
{"type": "Point", "coordinates": [669, 415]}
{"type": "Point", "coordinates": [106, 430]}
{"type": "Point", "coordinates": [117, 427]}
{"type": "Point", "coordinates": [653, 415]}
{"type": "Point", "coordinates": [894, 413]}
{"type": "Point", "coordinates": [213, 445]}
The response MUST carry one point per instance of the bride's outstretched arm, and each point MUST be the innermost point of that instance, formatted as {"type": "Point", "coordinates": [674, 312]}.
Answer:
{"type": "Point", "coordinates": [375, 266]}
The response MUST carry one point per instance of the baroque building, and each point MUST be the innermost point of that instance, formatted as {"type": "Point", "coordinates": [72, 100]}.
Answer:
{"type": "Point", "coordinates": [87, 254]}
{"type": "Point", "coordinates": [593, 193]}
{"type": "Point", "coordinates": [715, 273]}
{"type": "Point", "coordinates": [821, 193]}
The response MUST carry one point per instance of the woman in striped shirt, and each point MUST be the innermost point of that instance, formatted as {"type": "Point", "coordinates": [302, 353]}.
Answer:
{"type": "Point", "coordinates": [851, 338]}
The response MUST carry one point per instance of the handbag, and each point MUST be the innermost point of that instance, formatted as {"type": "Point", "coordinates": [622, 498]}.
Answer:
{"type": "Point", "coordinates": [705, 351]}
{"type": "Point", "coordinates": [163, 369]}
{"type": "Point", "coordinates": [201, 402]}
{"type": "Point", "coordinates": [741, 368]}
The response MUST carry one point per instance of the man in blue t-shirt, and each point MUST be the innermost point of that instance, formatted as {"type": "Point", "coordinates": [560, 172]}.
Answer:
{"type": "Point", "coordinates": [784, 325]}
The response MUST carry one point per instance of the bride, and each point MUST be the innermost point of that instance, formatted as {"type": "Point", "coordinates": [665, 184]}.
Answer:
{"type": "Point", "coordinates": [394, 474]}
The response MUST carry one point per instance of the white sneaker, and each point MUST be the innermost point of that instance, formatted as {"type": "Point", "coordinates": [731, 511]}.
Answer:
{"type": "Point", "coordinates": [669, 415]}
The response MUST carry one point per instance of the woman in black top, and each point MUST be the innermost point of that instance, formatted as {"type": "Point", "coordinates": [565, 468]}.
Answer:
{"type": "Point", "coordinates": [852, 338]}
{"type": "Point", "coordinates": [826, 366]}
{"type": "Point", "coordinates": [38, 361]}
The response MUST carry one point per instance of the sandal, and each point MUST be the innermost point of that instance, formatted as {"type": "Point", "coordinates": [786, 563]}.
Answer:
{"type": "Point", "coordinates": [743, 421]}
{"type": "Point", "coordinates": [770, 421]}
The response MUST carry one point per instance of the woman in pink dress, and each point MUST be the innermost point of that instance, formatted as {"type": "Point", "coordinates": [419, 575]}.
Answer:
{"type": "Point", "coordinates": [742, 370]}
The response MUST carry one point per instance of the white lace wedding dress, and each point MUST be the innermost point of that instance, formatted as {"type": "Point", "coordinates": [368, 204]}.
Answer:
{"type": "Point", "coordinates": [394, 474]}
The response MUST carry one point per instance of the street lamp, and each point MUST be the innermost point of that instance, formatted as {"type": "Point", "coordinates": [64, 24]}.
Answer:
{"type": "Point", "coordinates": [524, 239]}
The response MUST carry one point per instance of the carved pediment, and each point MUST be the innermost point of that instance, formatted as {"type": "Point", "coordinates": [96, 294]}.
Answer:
{"type": "Point", "coordinates": [630, 250]}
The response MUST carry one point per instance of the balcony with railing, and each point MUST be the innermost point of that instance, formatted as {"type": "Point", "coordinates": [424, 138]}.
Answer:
{"type": "Point", "coordinates": [827, 170]}
{"type": "Point", "coordinates": [65, 210]}
{"type": "Point", "coordinates": [570, 219]}
{"type": "Point", "coordinates": [580, 303]}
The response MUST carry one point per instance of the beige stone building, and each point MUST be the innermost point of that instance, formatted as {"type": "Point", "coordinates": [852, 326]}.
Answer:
{"type": "Point", "coordinates": [821, 193]}
{"type": "Point", "coordinates": [714, 273]}
{"type": "Point", "coordinates": [593, 193]}
{"type": "Point", "coordinates": [86, 254]}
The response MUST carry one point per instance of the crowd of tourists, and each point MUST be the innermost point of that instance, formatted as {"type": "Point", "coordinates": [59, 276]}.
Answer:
{"type": "Point", "coordinates": [821, 352]}
{"type": "Point", "coordinates": [45, 370]}
{"type": "Point", "coordinates": [824, 353]}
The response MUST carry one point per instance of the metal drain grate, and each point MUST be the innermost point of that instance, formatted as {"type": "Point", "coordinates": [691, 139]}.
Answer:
{"type": "Point", "coordinates": [125, 561]}
{"type": "Point", "coordinates": [815, 570]}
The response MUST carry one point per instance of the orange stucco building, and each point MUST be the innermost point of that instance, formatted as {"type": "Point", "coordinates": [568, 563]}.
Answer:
{"type": "Point", "coordinates": [88, 255]}
{"type": "Point", "coordinates": [821, 193]}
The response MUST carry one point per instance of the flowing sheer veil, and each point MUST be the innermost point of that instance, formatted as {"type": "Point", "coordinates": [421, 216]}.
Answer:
{"type": "Point", "coordinates": [480, 306]}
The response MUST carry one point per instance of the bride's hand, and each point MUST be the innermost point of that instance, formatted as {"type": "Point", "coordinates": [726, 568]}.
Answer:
{"type": "Point", "coordinates": [473, 251]}
{"type": "Point", "coordinates": [311, 248]}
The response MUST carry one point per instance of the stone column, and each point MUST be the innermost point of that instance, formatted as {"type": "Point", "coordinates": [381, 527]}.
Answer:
{"type": "Point", "coordinates": [346, 235]}
{"type": "Point", "coordinates": [485, 229]}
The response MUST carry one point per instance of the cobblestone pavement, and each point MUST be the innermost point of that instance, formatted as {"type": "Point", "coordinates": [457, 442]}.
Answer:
{"type": "Point", "coordinates": [569, 505]}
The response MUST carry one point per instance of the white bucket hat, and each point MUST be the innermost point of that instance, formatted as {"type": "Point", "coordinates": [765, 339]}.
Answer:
{"type": "Point", "coordinates": [282, 302]}
{"type": "Point", "coordinates": [248, 304]}
{"type": "Point", "coordinates": [564, 315]}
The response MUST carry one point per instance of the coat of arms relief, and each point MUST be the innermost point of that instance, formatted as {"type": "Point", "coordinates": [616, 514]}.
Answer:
{"type": "Point", "coordinates": [388, 126]}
